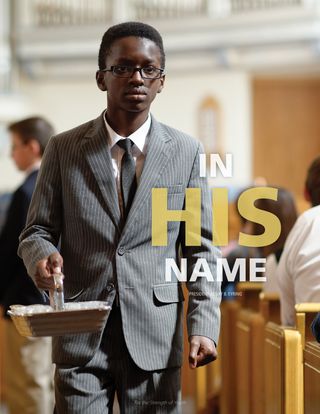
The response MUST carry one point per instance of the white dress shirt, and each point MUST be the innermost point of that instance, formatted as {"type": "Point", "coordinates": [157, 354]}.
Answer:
{"type": "Point", "coordinates": [33, 167]}
{"type": "Point", "coordinates": [271, 284]}
{"type": "Point", "coordinates": [298, 272]}
{"type": "Point", "coordinates": [139, 151]}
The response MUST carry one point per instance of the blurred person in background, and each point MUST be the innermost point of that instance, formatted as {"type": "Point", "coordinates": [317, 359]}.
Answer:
{"type": "Point", "coordinates": [235, 251]}
{"type": "Point", "coordinates": [315, 327]}
{"type": "Point", "coordinates": [5, 199]}
{"type": "Point", "coordinates": [298, 272]}
{"type": "Point", "coordinates": [28, 368]}
{"type": "Point", "coordinates": [285, 209]}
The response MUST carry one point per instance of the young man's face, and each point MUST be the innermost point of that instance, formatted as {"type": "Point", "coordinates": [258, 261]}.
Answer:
{"type": "Point", "coordinates": [23, 154]}
{"type": "Point", "coordinates": [133, 94]}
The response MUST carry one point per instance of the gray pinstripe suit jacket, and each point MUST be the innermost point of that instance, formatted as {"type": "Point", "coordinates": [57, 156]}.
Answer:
{"type": "Point", "coordinates": [76, 198]}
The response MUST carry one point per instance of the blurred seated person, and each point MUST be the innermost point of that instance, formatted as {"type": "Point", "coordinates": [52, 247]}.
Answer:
{"type": "Point", "coordinates": [235, 251]}
{"type": "Point", "coordinates": [4, 204]}
{"type": "Point", "coordinates": [315, 327]}
{"type": "Point", "coordinates": [298, 272]}
{"type": "Point", "coordinates": [285, 209]}
{"type": "Point", "coordinates": [28, 369]}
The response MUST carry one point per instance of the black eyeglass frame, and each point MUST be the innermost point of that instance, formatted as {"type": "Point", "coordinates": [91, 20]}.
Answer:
{"type": "Point", "coordinates": [134, 69]}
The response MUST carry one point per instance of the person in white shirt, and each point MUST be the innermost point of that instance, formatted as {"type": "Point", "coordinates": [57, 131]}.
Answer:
{"type": "Point", "coordinates": [285, 209]}
{"type": "Point", "coordinates": [298, 272]}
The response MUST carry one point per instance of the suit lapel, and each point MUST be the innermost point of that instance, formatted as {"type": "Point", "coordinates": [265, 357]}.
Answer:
{"type": "Point", "coordinates": [95, 149]}
{"type": "Point", "coordinates": [158, 152]}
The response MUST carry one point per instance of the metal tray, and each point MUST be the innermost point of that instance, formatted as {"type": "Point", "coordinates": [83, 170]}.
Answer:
{"type": "Point", "coordinates": [66, 322]}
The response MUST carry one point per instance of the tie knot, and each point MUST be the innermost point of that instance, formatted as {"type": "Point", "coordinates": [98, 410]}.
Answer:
{"type": "Point", "coordinates": [126, 144]}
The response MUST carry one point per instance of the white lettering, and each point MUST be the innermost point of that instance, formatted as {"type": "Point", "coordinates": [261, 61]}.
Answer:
{"type": "Point", "coordinates": [254, 269]}
{"type": "Point", "coordinates": [225, 169]}
{"type": "Point", "coordinates": [202, 269]}
{"type": "Point", "coordinates": [201, 273]}
{"type": "Point", "coordinates": [239, 267]}
{"type": "Point", "coordinates": [171, 265]}
{"type": "Point", "coordinates": [203, 165]}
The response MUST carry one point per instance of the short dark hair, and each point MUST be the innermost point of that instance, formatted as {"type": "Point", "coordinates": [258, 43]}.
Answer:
{"type": "Point", "coordinates": [285, 209]}
{"type": "Point", "coordinates": [36, 128]}
{"type": "Point", "coordinates": [126, 29]}
{"type": "Point", "coordinates": [313, 182]}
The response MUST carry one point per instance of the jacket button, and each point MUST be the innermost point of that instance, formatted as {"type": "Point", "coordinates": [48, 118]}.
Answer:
{"type": "Point", "coordinates": [121, 251]}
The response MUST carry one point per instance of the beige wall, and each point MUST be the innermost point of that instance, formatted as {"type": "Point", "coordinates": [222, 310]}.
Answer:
{"type": "Point", "coordinates": [68, 103]}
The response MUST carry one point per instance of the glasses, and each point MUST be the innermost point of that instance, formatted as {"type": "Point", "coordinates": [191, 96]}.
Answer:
{"type": "Point", "coordinates": [122, 71]}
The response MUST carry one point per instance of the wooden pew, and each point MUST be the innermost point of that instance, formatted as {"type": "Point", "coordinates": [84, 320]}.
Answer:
{"type": "Point", "coordinates": [229, 314]}
{"type": "Point", "coordinates": [305, 313]}
{"type": "Point", "coordinates": [200, 387]}
{"type": "Point", "coordinates": [249, 295]}
{"type": "Point", "coordinates": [232, 358]}
{"type": "Point", "coordinates": [283, 362]}
{"type": "Point", "coordinates": [249, 345]}
{"type": "Point", "coordinates": [270, 307]}
{"type": "Point", "coordinates": [283, 370]}
{"type": "Point", "coordinates": [251, 321]}
{"type": "Point", "coordinates": [250, 338]}
{"type": "Point", "coordinates": [293, 371]}
{"type": "Point", "coordinates": [213, 383]}
{"type": "Point", "coordinates": [311, 365]}
{"type": "Point", "coordinates": [282, 390]}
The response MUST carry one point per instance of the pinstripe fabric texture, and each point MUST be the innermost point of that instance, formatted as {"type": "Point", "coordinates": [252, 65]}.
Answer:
{"type": "Point", "coordinates": [76, 197]}
{"type": "Point", "coordinates": [111, 369]}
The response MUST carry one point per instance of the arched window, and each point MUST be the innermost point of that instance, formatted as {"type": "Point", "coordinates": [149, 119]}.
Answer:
{"type": "Point", "coordinates": [210, 126]}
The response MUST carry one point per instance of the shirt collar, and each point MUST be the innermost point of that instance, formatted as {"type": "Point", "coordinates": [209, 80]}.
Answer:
{"type": "Point", "coordinates": [138, 137]}
{"type": "Point", "coordinates": [33, 167]}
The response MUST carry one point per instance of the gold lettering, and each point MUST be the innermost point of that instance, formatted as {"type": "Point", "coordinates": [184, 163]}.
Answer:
{"type": "Point", "coordinates": [220, 216]}
{"type": "Point", "coordinates": [269, 221]}
{"type": "Point", "coordinates": [161, 215]}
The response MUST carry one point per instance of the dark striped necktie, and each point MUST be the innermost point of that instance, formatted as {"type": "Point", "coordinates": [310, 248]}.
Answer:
{"type": "Point", "coordinates": [128, 175]}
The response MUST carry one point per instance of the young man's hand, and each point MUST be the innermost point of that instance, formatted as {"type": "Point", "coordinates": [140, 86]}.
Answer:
{"type": "Point", "coordinates": [45, 270]}
{"type": "Point", "coordinates": [202, 351]}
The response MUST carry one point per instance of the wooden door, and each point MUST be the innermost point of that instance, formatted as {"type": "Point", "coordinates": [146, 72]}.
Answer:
{"type": "Point", "coordinates": [286, 130]}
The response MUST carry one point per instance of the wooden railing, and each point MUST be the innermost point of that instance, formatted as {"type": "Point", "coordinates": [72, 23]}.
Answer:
{"type": "Point", "coordinates": [249, 295]}
{"type": "Point", "coordinates": [262, 361]}
{"type": "Point", "coordinates": [241, 333]}
{"type": "Point", "coordinates": [283, 370]}
{"type": "Point", "coordinates": [270, 307]}
{"type": "Point", "coordinates": [250, 336]}
{"type": "Point", "coordinates": [305, 313]}
{"type": "Point", "coordinates": [229, 350]}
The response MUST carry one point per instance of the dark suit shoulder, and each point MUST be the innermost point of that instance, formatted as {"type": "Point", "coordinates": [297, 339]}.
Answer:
{"type": "Point", "coordinates": [75, 133]}
{"type": "Point", "coordinates": [22, 196]}
{"type": "Point", "coordinates": [15, 220]}
{"type": "Point", "coordinates": [27, 187]}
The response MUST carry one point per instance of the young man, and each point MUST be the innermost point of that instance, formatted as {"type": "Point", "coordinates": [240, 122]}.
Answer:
{"type": "Point", "coordinates": [28, 368]}
{"type": "Point", "coordinates": [298, 272]}
{"type": "Point", "coordinates": [94, 191]}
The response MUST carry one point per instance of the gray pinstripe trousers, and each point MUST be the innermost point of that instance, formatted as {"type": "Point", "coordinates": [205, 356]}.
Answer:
{"type": "Point", "coordinates": [90, 389]}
